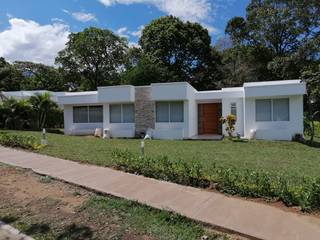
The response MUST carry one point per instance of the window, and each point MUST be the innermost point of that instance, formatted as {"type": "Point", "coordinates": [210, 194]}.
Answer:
{"type": "Point", "coordinates": [128, 113]}
{"type": "Point", "coordinates": [169, 111]}
{"type": "Point", "coordinates": [88, 114]}
{"type": "Point", "coordinates": [162, 112]}
{"type": "Point", "coordinates": [95, 114]}
{"type": "Point", "coordinates": [115, 113]}
{"type": "Point", "coordinates": [263, 110]}
{"type": "Point", "coordinates": [281, 109]}
{"type": "Point", "coordinates": [272, 109]}
{"type": "Point", "coordinates": [80, 114]}
{"type": "Point", "coordinates": [233, 110]}
{"type": "Point", "coordinates": [122, 113]}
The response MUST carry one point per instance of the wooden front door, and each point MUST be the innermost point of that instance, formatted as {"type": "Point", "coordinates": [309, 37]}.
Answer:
{"type": "Point", "coordinates": [209, 118]}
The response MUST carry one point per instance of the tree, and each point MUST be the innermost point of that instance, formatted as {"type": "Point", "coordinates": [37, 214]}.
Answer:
{"type": "Point", "coordinates": [141, 69]}
{"type": "Point", "coordinates": [95, 54]}
{"type": "Point", "coordinates": [287, 30]}
{"type": "Point", "coordinates": [10, 78]}
{"type": "Point", "coordinates": [181, 49]}
{"type": "Point", "coordinates": [37, 76]}
{"type": "Point", "coordinates": [16, 114]}
{"type": "Point", "coordinates": [312, 80]}
{"type": "Point", "coordinates": [42, 105]}
{"type": "Point", "coordinates": [244, 63]}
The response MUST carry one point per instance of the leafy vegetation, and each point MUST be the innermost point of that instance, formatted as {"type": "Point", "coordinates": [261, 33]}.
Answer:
{"type": "Point", "coordinates": [303, 192]}
{"type": "Point", "coordinates": [92, 58]}
{"type": "Point", "coordinates": [19, 141]}
{"type": "Point", "coordinates": [288, 171]}
{"type": "Point", "coordinates": [36, 112]}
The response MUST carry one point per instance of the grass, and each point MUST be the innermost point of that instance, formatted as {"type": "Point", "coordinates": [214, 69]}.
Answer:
{"type": "Point", "coordinates": [290, 158]}
{"type": "Point", "coordinates": [148, 221]}
{"type": "Point", "coordinates": [96, 217]}
{"type": "Point", "coordinates": [125, 216]}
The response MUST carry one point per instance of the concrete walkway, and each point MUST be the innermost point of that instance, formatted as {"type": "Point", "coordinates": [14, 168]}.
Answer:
{"type": "Point", "coordinates": [9, 233]}
{"type": "Point", "coordinates": [248, 218]}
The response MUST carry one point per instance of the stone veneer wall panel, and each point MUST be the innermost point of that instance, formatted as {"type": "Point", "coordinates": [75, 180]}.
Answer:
{"type": "Point", "coordinates": [144, 109]}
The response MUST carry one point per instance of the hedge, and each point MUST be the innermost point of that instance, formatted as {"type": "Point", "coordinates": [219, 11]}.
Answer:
{"type": "Point", "coordinates": [304, 192]}
{"type": "Point", "coordinates": [19, 141]}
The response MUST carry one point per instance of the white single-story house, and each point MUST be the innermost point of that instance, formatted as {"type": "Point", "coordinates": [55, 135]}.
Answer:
{"type": "Point", "coordinates": [264, 110]}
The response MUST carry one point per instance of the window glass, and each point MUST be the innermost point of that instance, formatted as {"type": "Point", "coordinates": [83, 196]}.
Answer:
{"type": "Point", "coordinates": [162, 112]}
{"type": "Point", "coordinates": [233, 109]}
{"type": "Point", "coordinates": [263, 110]}
{"type": "Point", "coordinates": [281, 109]}
{"type": "Point", "coordinates": [95, 114]}
{"type": "Point", "coordinates": [80, 114]}
{"type": "Point", "coordinates": [176, 111]}
{"type": "Point", "coordinates": [115, 113]}
{"type": "Point", "coordinates": [128, 113]}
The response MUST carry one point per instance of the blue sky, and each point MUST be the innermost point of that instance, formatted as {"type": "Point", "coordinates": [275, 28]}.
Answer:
{"type": "Point", "coordinates": [36, 30]}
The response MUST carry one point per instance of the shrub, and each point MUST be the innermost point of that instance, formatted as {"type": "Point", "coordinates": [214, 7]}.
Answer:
{"type": "Point", "coordinates": [230, 122]}
{"type": "Point", "coordinates": [19, 141]}
{"type": "Point", "coordinates": [303, 192]}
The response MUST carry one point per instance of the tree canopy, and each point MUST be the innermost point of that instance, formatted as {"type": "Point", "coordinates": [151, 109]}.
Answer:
{"type": "Point", "coordinates": [181, 51]}
{"type": "Point", "coordinates": [94, 56]}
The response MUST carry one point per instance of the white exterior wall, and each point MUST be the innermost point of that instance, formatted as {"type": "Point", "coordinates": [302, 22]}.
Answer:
{"type": "Point", "coordinates": [274, 130]}
{"type": "Point", "coordinates": [117, 130]}
{"type": "Point", "coordinates": [244, 97]}
{"type": "Point", "coordinates": [173, 130]}
{"type": "Point", "coordinates": [226, 110]}
{"type": "Point", "coordinates": [71, 128]}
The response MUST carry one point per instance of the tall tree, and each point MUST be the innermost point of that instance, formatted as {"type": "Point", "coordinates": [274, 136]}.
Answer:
{"type": "Point", "coordinates": [10, 78]}
{"type": "Point", "coordinates": [181, 49]}
{"type": "Point", "coordinates": [141, 68]}
{"type": "Point", "coordinates": [312, 80]}
{"type": "Point", "coordinates": [95, 54]}
{"type": "Point", "coordinates": [287, 30]}
{"type": "Point", "coordinates": [38, 76]}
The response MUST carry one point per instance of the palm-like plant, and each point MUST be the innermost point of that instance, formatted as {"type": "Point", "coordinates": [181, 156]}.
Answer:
{"type": "Point", "coordinates": [42, 105]}
{"type": "Point", "coordinates": [17, 114]}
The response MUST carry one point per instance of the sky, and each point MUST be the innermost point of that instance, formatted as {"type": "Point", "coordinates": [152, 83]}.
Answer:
{"type": "Point", "coordinates": [36, 30]}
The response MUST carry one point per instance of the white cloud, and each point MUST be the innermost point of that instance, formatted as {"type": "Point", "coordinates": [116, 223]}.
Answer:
{"type": "Point", "coordinates": [81, 16]}
{"type": "Point", "coordinates": [27, 40]}
{"type": "Point", "coordinates": [57, 20]}
{"type": "Point", "coordinates": [211, 29]}
{"type": "Point", "coordinates": [138, 32]}
{"type": "Point", "coordinates": [192, 10]}
{"type": "Point", "coordinates": [122, 32]}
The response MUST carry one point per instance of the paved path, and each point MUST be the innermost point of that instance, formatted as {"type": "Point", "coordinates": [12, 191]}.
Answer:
{"type": "Point", "coordinates": [9, 233]}
{"type": "Point", "coordinates": [249, 218]}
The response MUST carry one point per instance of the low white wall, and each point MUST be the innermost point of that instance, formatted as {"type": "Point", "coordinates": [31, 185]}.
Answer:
{"type": "Point", "coordinates": [226, 110]}
{"type": "Point", "coordinates": [275, 130]}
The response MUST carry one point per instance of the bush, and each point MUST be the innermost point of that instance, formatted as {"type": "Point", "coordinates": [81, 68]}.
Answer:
{"type": "Point", "coordinates": [19, 141]}
{"type": "Point", "coordinates": [303, 192]}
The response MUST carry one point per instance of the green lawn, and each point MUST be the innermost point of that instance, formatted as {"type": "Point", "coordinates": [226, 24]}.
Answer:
{"type": "Point", "coordinates": [292, 158]}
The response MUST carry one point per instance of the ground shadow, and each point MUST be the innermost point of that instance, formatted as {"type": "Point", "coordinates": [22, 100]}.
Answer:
{"type": "Point", "coordinates": [37, 228]}
{"type": "Point", "coordinates": [9, 219]}
{"type": "Point", "coordinates": [76, 232]}
{"type": "Point", "coordinates": [314, 144]}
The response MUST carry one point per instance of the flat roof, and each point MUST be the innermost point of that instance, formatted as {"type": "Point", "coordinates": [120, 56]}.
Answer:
{"type": "Point", "coordinates": [272, 83]}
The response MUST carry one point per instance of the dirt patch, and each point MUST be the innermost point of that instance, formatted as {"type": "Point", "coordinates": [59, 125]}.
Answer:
{"type": "Point", "coordinates": [45, 208]}
{"type": "Point", "coordinates": [49, 209]}
{"type": "Point", "coordinates": [25, 188]}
